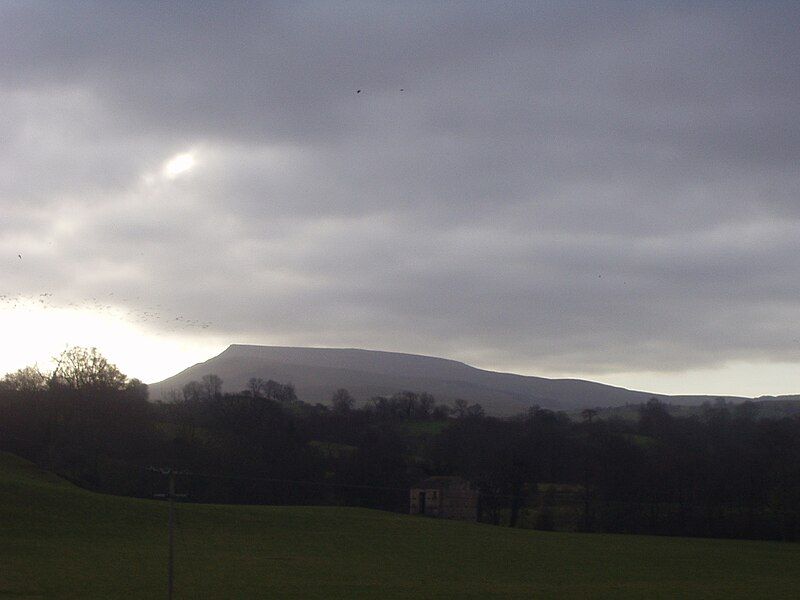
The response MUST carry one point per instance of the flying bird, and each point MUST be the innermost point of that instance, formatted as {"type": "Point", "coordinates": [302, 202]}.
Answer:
{"type": "Point", "coordinates": [20, 256]}
{"type": "Point", "coordinates": [358, 91]}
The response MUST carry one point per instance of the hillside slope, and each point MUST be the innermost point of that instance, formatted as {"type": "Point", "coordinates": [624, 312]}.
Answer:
{"type": "Point", "coordinates": [318, 372]}
{"type": "Point", "coordinates": [58, 541]}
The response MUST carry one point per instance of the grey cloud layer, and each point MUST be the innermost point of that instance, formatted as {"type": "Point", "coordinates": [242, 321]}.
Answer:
{"type": "Point", "coordinates": [603, 187]}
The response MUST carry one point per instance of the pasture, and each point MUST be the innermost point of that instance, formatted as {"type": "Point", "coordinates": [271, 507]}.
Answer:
{"type": "Point", "coordinates": [59, 541]}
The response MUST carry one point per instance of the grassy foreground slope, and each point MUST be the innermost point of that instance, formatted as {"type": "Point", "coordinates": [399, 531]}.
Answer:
{"type": "Point", "coordinates": [58, 541]}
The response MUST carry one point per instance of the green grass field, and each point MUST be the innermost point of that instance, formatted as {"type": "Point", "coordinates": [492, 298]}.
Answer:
{"type": "Point", "coordinates": [58, 541]}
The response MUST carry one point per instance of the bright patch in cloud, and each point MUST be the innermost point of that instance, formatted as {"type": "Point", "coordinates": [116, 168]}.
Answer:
{"type": "Point", "coordinates": [178, 165]}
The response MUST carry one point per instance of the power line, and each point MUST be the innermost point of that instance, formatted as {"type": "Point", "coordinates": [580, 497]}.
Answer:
{"type": "Point", "coordinates": [328, 484]}
{"type": "Point", "coordinates": [331, 484]}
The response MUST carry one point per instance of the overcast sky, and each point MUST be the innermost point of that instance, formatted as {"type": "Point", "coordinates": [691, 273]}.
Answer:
{"type": "Point", "coordinates": [608, 191]}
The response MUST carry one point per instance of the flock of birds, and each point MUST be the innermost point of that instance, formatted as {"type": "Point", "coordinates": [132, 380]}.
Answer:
{"type": "Point", "coordinates": [123, 308]}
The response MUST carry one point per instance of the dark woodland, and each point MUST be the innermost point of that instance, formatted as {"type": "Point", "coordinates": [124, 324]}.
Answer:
{"type": "Point", "coordinates": [721, 472]}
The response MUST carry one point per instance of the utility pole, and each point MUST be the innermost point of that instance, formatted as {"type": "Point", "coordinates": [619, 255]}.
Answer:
{"type": "Point", "coordinates": [171, 496]}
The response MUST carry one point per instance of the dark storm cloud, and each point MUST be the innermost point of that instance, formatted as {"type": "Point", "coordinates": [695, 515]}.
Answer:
{"type": "Point", "coordinates": [603, 187]}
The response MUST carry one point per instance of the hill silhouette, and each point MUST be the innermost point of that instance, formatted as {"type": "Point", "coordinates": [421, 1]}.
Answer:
{"type": "Point", "coordinates": [318, 372]}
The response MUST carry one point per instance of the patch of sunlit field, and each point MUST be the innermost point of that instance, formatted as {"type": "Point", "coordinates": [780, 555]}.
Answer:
{"type": "Point", "coordinates": [59, 541]}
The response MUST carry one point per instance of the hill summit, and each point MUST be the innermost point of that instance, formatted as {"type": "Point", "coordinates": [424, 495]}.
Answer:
{"type": "Point", "coordinates": [317, 372]}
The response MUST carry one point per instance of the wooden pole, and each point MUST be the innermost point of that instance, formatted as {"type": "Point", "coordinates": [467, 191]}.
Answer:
{"type": "Point", "coordinates": [170, 496]}
{"type": "Point", "coordinates": [171, 560]}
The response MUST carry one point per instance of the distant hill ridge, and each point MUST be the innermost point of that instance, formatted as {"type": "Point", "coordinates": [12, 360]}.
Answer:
{"type": "Point", "coordinates": [318, 372]}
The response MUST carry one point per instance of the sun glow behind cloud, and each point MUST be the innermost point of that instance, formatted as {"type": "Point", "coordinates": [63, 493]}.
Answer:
{"type": "Point", "coordinates": [178, 165]}
{"type": "Point", "coordinates": [35, 334]}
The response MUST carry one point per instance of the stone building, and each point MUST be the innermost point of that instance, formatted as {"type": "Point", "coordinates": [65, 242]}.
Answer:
{"type": "Point", "coordinates": [445, 498]}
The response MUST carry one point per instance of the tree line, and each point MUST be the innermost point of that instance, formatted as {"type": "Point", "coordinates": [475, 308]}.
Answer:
{"type": "Point", "coordinates": [722, 472]}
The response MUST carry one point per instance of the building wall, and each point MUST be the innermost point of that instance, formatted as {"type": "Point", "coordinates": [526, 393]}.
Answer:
{"type": "Point", "coordinates": [454, 503]}
{"type": "Point", "coordinates": [433, 502]}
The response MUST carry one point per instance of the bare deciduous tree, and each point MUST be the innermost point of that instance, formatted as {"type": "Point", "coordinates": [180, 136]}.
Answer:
{"type": "Point", "coordinates": [85, 368]}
